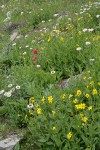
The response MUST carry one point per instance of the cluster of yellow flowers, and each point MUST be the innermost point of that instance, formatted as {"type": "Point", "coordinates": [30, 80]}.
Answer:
{"type": "Point", "coordinates": [84, 118]}
{"type": "Point", "coordinates": [80, 106]}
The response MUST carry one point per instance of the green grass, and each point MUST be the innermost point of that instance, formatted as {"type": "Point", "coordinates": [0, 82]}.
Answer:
{"type": "Point", "coordinates": [54, 29]}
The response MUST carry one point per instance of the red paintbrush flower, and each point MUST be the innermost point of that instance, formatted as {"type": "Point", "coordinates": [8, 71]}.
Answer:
{"type": "Point", "coordinates": [34, 58]}
{"type": "Point", "coordinates": [35, 51]}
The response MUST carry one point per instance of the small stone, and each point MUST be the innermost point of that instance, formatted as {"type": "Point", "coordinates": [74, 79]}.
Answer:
{"type": "Point", "coordinates": [13, 36]}
{"type": "Point", "coordinates": [9, 143]}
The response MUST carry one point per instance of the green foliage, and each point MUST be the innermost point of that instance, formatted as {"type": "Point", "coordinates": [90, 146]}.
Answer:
{"type": "Point", "coordinates": [56, 40]}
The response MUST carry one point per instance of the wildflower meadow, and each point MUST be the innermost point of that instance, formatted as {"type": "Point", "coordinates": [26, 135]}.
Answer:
{"type": "Point", "coordinates": [50, 73]}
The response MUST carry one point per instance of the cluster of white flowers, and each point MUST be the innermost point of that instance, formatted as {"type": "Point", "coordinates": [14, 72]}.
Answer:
{"type": "Point", "coordinates": [88, 30]}
{"type": "Point", "coordinates": [92, 59]}
{"type": "Point", "coordinates": [9, 93]}
{"type": "Point", "coordinates": [24, 53]}
{"type": "Point", "coordinates": [43, 21]}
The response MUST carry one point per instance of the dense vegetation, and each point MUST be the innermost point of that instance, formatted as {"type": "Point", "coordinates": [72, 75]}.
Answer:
{"type": "Point", "coordinates": [42, 43]}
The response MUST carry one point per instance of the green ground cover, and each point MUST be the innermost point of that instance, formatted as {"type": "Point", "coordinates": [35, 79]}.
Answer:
{"type": "Point", "coordinates": [56, 40]}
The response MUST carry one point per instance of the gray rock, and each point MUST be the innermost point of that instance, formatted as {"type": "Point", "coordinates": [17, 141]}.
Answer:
{"type": "Point", "coordinates": [9, 143]}
{"type": "Point", "coordinates": [66, 82]}
{"type": "Point", "coordinates": [13, 35]}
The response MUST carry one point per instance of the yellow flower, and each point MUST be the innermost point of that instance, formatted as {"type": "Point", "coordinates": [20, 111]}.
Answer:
{"type": "Point", "coordinates": [81, 115]}
{"type": "Point", "coordinates": [79, 32]}
{"type": "Point", "coordinates": [84, 77]}
{"type": "Point", "coordinates": [83, 124]}
{"type": "Point", "coordinates": [49, 39]}
{"type": "Point", "coordinates": [71, 27]}
{"type": "Point", "coordinates": [39, 112]}
{"type": "Point", "coordinates": [78, 92]}
{"type": "Point", "coordinates": [69, 135]}
{"type": "Point", "coordinates": [99, 83]}
{"type": "Point", "coordinates": [30, 112]}
{"type": "Point", "coordinates": [62, 39]}
{"type": "Point", "coordinates": [94, 92]}
{"type": "Point", "coordinates": [57, 31]}
{"type": "Point", "coordinates": [42, 48]}
{"type": "Point", "coordinates": [80, 106]}
{"type": "Point", "coordinates": [78, 19]}
{"type": "Point", "coordinates": [91, 83]}
{"type": "Point", "coordinates": [87, 95]}
{"type": "Point", "coordinates": [19, 115]}
{"type": "Point", "coordinates": [53, 128]}
{"type": "Point", "coordinates": [36, 105]}
{"type": "Point", "coordinates": [43, 100]}
{"type": "Point", "coordinates": [70, 95]}
{"type": "Point", "coordinates": [90, 107]}
{"type": "Point", "coordinates": [53, 112]}
{"type": "Point", "coordinates": [31, 100]}
{"type": "Point", "coordinates": [84, 119]}
{"type": "Point", "coordinates": [25, 117]}
{"type": "Point", "coordinates": [90, 2]}
{"type": "Point", "coordinates": [42, 34]}
{"type": "Point", "coordinates": [50, 99]}
{"type": "Point", "coordinates": [63, 96]}
{"type": "Point", "coordinates": [75, 101]}
{"type": "Point", "coordinates": [89, 16]}
{"type": "Point", "coordinates": [88, 70]}
{"type": "Point", "coordinates": [96, 38]}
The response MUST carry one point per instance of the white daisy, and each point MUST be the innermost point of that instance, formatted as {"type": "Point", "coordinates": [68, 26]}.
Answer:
{"type": "Point", "coordinates": [2, 91]}
{"type": "Point", "coordinates": [22, 13]}
{"type": "Point", "coordinates": [97, 16]}
{"type": "Point", "coordinates": [10, 85]}
{"type": "Point", "coordinates": [17, 87]}
{"type": "Point", "coordinates": [52, 72]}
{"type": "Point", "coordinates": [27, 46]}
{"type": "Point", "coordinates": [87, 43]}
{"type": "Point", "coordinates": [92, 59]}
{"type": "Point", "coordinates": [91, 30]}
{"type": "Point", "coordinates": [7, 94]}
{"type": "Point", "coordinates": [30, 106]}
{"type": "Point", "coordinates": [55, 15]}
{"type": "Point", "coordinates": [38, 66]}
{"type": "Point", "coordinates": [78, 48]}
{"type": "Point", "coordinates": [13, 44]}
{"type": "Point", "coordinates": [85, 30]}
{"type": "Point", "coordinates": [24, 53]}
